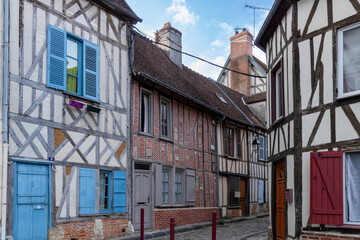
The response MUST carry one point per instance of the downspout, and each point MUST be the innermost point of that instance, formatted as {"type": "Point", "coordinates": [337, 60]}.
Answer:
{"type": "Point", "coordinates": [5, 120]}
{"type": "Point", "coordinates": [217, 162]}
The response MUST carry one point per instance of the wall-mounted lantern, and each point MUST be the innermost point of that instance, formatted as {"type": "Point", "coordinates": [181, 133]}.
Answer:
{"type": "Point", "coordinates": [255, 144]}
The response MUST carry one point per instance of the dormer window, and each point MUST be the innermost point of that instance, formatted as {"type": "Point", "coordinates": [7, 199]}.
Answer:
{"type": "Point", "coordinates": [221, 98]}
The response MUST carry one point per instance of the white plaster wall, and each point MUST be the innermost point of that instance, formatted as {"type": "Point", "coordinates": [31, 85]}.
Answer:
{"type": "Point", "coordinates": [308, 123]}
{"type": "Point", "coordinates": [320, 18]}
{"type": "Point", "coordinates": [305, 72]}
{"type": "Point", "coordinates": [342, 10]}
{"type": "Point", "coordinates": [323, 134]}
{"type": "Point", "coordinates": [344, 129]}
{"type": "Point", "coordinates": [290, 185]}
{"type": "Point", "coordinates": [288, 17]}
{"type": "Point", "coordinates": [305, 188]}
{"type": "Point", "coordinates": [304, 8]}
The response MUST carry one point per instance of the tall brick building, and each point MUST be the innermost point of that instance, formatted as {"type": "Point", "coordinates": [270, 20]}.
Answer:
{"type": "Point", "coordinates": [177, 129]}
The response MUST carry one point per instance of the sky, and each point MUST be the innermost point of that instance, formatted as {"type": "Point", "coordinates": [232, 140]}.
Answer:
{"type": "Point", "coordinates": [206, 26]}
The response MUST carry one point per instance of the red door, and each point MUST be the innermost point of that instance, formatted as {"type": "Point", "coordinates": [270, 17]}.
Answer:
{"type": "Point", "coordinates": [280, 200]}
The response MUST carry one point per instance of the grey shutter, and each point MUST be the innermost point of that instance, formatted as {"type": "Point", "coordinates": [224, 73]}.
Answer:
{"type": "Point", "coordinates": [225, 141]}
{"type": "Point", "coordinates": [190, 187]}
{"type": "Point", "coordinates": [238, 144]}
{"type": "Point", "coordinates": [158, 185]}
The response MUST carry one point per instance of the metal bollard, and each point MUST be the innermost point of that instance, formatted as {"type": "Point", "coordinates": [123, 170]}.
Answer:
{"type": "Point", "coordinates": [142, 224]}
{"type": "Point", "coordinates": [172, 229]}
{"type": "Point", "coordinates": [214, 226]}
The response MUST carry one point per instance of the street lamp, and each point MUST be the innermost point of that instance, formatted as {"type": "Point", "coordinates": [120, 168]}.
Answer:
{"type": "Point", "coordinates": [255, 144]}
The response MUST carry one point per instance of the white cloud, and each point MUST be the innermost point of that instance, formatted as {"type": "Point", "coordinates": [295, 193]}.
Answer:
{"type": "Point", "coordinates": [207, 69]}
{"type": "Point", "coordinates": [182, 13]}
{"type": "Point", "coordinates": [229, 30]}
{"type": "Point", "coordinates": [218, 43]}
{"type": "Point", "coordinates": [257, 52]}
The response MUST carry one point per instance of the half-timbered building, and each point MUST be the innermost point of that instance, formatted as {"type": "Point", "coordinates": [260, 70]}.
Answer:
{"type": "Point", "coordinates": [312, 50]}
{"type": "Point", "coordinates": [178, 118]}
{"type": "Point", "coordinates": [67, 111]}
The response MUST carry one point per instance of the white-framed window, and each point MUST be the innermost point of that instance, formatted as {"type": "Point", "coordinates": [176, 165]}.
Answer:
{"type": "Point", "coordinates": [277, 94]}
{"type": "Point", "coordinates": [348, 61]}
{"type": "Point", "coordinates": [165, 184]}
{"type": "Point", "coordinates": [146, 106]}
{"type": "Point", "coordinates": [178, 187]}
{"type": "Point", "coordinates": [351, 185]}
{"type": "Point", "coordinates": [165, 118]}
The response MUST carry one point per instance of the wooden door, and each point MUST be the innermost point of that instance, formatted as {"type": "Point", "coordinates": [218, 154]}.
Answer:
{"type": "Point", "coordinates": [243, 197]}
{"type": "Point", "coordinates": [31, 198]}
{"type": "Point", "coordinates": [142, 198]}
{"type": "Point", "coordinates": [280, 200]}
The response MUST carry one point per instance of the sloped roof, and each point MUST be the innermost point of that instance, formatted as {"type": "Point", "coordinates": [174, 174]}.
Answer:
{"type": "Point", "coordinates": [120, 8]}
{"type": "Point", "coordinates": [153, 63]}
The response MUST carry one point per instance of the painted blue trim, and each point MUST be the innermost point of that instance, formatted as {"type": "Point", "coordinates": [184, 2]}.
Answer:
{"type": "Point", "coordinates": [31, 161]}
{"type": "Point", "coordinates": [108, 210]}
{"type": "Point", "coordinates": [96, 73]}
{"type": "Point", "coordinates": [15, 176]}
{"type": "Point", "coordinates": [119, 179]}
{"type": "Point", "coordinates": [87, 191]}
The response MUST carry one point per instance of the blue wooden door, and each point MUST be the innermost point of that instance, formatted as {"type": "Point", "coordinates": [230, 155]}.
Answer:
{"type": "Point", "coordinates": [31, 201]}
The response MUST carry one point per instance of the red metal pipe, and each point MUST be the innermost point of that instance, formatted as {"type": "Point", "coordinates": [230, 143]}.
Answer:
{"type": "Point", "coordinates": [172, 229]}
{"type": "Point", "coordinates": [142, 224]}
{"type": "Point", "coordinates": [214, 225]}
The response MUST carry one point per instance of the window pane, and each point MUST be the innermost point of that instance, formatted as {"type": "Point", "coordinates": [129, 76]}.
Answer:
{"type": "Point", "coordinates": [72, 48]}
{"type": "Point", "coordinates": [71, 83]}
{"type": "Point", "coordinates": [145, 116]}
{"type": "Point", "coordinates": [165, 186]}
{"type": "Point", "coordinates": [351, 60]}
{"type": "Point", "coordinates": [278, 95]}
{"type": "Point", "coordinates": [104, 203]}
{"type": "Point", "coordinates": [72, 66]}
{"type": "Point", "coordinates": [104, 178]}
{"type": "Point", "coordinates": [352, 182]}
{"type": "Point", "coordinates": [104, 188]}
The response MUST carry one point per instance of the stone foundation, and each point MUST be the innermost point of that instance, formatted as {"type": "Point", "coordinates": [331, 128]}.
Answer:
{"type": "Point", "coordinates": [90, 229]}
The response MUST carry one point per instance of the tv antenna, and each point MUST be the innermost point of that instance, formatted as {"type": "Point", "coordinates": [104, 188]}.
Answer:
{"type": "Point", "coordinates": [255, 8]}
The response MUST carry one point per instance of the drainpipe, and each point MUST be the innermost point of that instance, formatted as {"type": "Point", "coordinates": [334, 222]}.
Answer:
{"type": "Point", "coordinates": [5, 120]}
{"type": "Point", "coordinates": [217, 162]}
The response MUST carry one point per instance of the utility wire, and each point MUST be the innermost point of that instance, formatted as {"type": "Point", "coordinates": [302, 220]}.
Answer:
{"type": "Point", "coordinates": [199, 58]}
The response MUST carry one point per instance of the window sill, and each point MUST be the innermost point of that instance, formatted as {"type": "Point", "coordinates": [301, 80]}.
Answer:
{"type": "Point", "coordinates": [233, 207]}
{"type": "Point", "coordinates": [349, 226]}
{"type": "Point", "coordinates": [145, 134]}
{"type": "Point", "coordinates": [166, 139]}
{"type": "Point", "coordinates": [110, 214]}
{"type": "Point", "coordinates": [80, 97]}
{"type": "Point", "coordinates": [232, 158]}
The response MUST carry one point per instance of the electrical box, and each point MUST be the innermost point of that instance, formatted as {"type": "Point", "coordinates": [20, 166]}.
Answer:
{"type": "Point", "coordinates": [289, 195]}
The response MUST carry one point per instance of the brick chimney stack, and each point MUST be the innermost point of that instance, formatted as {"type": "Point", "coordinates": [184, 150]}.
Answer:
{"type": "Point", "coordinates": [240, 50]}
{"type": "Point", "coordinates": [170, 37]}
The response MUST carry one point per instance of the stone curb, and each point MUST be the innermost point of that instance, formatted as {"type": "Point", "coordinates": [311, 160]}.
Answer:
{"type": "Point", "coordinates": [188, 228]}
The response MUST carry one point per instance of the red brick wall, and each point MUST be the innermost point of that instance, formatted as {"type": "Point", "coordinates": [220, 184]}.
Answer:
{"type": "Point", "coordinates": [329, 236]}
{"type": "Point", "coordinates": [85, 229]}
{"type": "Point", "coordinates": [161, 217]}
{"type": "Point", "coordinates": [191, 131]}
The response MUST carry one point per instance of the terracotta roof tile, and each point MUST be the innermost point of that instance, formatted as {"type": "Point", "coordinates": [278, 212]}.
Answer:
{"type": "Point", "coordinates": [151, 60]}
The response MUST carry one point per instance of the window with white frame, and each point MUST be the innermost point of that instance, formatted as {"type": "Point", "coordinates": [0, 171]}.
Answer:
{"type": "Point", "coordinates": [165, 186]}
{"type": "Point", "coordinates": [178, 186]}
{"type": "Point", "coordinates": [145, 111]}
{"type": "Point", "coordinates": [277, 110]}
{"type": "Point", "coordinates": [349, 61]}
{"type": "Point", "coordinates": [165, 117]}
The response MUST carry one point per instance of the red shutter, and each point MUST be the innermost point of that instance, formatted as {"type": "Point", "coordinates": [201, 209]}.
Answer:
{"type": "Point", "coordinates": [326, 188]}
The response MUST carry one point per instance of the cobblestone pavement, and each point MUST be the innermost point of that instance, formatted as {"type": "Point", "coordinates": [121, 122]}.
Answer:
{"type": "Point", "coordinates": [252, 229]}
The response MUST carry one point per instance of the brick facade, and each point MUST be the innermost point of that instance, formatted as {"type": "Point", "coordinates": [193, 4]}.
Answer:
{"type": "Point", "coordinates": [193, 133]}
{"type": "Point", "coordinates": [91, 229]}
{"type": "Point", "coordinates": [182, 216]}
{"type": "Point", "coordinates": [328, 236]}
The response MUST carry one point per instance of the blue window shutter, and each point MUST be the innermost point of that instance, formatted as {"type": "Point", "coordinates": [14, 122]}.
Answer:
{"type": "Point", "coordinates": [260, 191]}
{"type": "Point", "coordinates": [56, 58]}
{"type": "Point", "coordinates": [262, 148]}
{"type": "Point", "coordinates": [87, 191]}
{"type": "Point", "coordinates": [119, 179]}
{"type": "Point", "coordinates": [91, 71]}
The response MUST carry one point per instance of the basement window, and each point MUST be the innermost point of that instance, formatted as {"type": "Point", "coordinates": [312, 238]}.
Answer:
{"type": "Point", "coordinates": [221, 98]}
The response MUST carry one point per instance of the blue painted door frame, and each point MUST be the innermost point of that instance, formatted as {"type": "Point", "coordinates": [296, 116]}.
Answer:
{"type": "Point", "coordinates": [32, 201]}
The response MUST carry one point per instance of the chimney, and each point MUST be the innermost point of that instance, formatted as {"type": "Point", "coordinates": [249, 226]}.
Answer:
{"type": "Point", "coordinates": [240, 50]}
{"type": "Point", "coordinates": [170, 37]}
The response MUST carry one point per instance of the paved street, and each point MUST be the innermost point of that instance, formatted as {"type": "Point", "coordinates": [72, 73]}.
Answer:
{"type": "Point", "coordinates": [250, 230]}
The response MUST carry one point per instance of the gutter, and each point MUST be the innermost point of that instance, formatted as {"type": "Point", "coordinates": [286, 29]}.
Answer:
{"type": "Point", "coordinates": [217, 162]}
{"type": "Point", "coordinates": [5, 120]}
